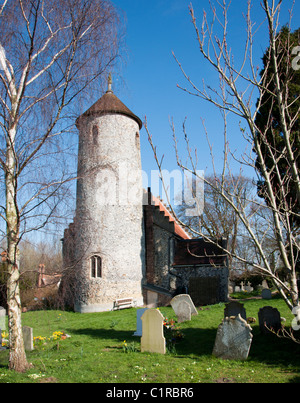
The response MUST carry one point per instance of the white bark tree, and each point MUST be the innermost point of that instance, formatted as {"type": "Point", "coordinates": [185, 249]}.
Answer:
{"type": "Point", "coordinates": [239, 88]}
{"type": "Point", "coordinates": [50, 53]}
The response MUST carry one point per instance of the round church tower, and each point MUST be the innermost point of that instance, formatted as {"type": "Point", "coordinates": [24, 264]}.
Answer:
{"type": "Point", "coordinates": [109, 212]}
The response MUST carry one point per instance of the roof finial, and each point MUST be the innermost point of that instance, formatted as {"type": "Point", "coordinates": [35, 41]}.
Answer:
{"type": "Point", "coordinates": [109, 83]}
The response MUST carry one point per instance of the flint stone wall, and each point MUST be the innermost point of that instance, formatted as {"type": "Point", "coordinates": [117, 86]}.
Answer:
{"type": "Point", "coordinates": [175, 278]}
{"type": "Point", "coordinates": [186, 275]}
{"type": "Point", "coordinates": [108, 221]}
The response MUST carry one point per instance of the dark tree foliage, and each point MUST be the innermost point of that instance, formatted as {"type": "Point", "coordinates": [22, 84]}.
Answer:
{"type": "Point", "coordinates": [269, 124]}
{"type": "Point", "coordinates": [270, 128]}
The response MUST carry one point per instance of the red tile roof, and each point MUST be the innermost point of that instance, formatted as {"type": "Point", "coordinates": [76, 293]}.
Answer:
{"type": "Point", "coordinates": [178, 229]}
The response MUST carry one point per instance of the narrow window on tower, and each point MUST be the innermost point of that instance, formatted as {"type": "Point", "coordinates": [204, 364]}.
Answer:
{"type": "Point", "coordinates": [137, 140]}
{"type": "Point", "coordinates": [96, 266]}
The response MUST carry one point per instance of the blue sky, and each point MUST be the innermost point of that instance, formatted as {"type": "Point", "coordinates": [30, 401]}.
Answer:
{"type": "Point", "coordinates": [148, 83]}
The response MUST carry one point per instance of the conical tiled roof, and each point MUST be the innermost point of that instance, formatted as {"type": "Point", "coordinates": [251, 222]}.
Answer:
{"type": "Point", "coordinates": [109, 104]}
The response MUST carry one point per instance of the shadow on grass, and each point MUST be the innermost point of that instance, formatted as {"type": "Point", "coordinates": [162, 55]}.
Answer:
{"type": "Point", "coordinates": [266, 349]}
{"type": "Point", "coordinates": [108, 334]}
{"type": "Point", "coordinates": [273, 350]}
{"type": "Point", "coordinates": [196, 342]}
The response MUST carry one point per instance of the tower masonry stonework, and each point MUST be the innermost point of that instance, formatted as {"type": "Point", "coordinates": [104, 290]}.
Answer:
{"type": "Point", "coordinates": [108, 254]}
{"type": "Point", "coordinates": [124, 243]}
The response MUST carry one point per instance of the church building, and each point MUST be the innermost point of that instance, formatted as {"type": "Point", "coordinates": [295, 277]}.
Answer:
{"type": "Point", "coordinates": [124, 243]}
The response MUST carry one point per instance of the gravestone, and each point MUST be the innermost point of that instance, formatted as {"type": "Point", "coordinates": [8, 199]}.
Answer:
{"type": "Point", "coordinates": [266, 293]}
{"type": "Point", "coordinates": [183, 311]}
{"type": "Point", "coordinates": [153, 339]}
{"type": "Point", "coordinates": [183, 297]}
{"type": "Point", "coordinates": [233, 339]}
{"type": "Point", "coordinates": [269, 317]}
{"type": "Point", "coordinates": [2, 318]}
{"type": "Point", "coordinates": [28, 338]}
{"type": "Point", "coordinates": [234, 308]}
{"type": "Point", "coordinates": [248, 287]}
{"type": "Point", "coordinates": [139, 323]}
{"type": "Point", "coordinates": [152, 299]}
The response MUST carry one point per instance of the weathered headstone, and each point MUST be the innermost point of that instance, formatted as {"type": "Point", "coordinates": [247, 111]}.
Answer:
{"type": "Point", "coordinates": [152, 299]}
{"type": "Point", "coordinates": [266, 293]}
{"type": "Point", "coordinates": [233, 339]}
{"type": "Point", "coordinates": [28, 338]}
{"type": "Point", "coordinates": [234, 308]}
{"type": "Point", "coordinates": [183, 297]}
{"type": "Point", "coordinates": [248, 287]}
{"type": "Point", "coordinates": [183, 311]}
{"type": "Point", "coordinates": [2, 318]}
{"type": "Point", "coordinates": [269, 318]}
{"type": "Point", "coordinates": [139, 323]}
{"type": "Point", "coordinates": [153, 339]}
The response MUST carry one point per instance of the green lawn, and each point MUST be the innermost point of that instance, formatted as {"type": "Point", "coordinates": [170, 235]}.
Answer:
{"type": "Point", "coordinates": [96, 351]}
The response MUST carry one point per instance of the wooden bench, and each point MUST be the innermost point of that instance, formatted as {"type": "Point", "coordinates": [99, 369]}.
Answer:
{"type": "Point", "coordinates": [124, 303]}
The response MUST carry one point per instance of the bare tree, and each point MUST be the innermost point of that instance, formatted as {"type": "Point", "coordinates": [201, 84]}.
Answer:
{"type": "Point", "coordinates": [219, 220]}
{"type": "Point", "coordinates": [236, 95]}
{"type": "Point", "coordinates": [51, 52]}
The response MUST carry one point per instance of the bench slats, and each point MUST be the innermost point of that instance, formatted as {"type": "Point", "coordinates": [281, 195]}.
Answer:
{"type": "Point", "coordinates": [123, 303]}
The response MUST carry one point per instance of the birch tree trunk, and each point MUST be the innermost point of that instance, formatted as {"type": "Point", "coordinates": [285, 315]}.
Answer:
{"type": "Point", "coordinates": [51, 52]}
{"type": "Point", "coordinates": [17, 355]}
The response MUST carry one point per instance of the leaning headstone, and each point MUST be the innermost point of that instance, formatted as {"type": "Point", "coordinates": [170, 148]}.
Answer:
{"type": "Point", "coordinates": [233, 339]}
{"type": "Point", "coordinates": [266, 293]}
{"type": "Point", "coordinates": [2, 318]}
{"type": "Point", "coordinates": [28, 338]}
{"type": "Point", "coordinates": [183, 297]}
{"type": "Point", "coordinates": [234, 308]}
{"type": "Point", "coordinates": [183, 312]}
{"type": "Point", "coordinates": [269, 318]}
{"type": "Point", "coordinates": [139, 323]}
{"type": "Point", "coordinates": [153, 339]}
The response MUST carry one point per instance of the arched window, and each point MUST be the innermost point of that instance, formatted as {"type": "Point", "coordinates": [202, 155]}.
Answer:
{"type": "Point", "coordinates": [96, 266]}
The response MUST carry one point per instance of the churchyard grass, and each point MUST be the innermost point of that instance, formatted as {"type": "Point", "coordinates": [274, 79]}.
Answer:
{"type": "Point", "coordinates": [102, 349]}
